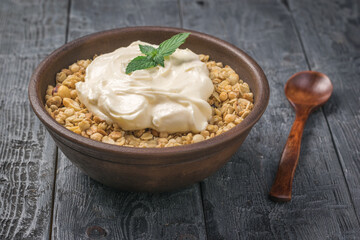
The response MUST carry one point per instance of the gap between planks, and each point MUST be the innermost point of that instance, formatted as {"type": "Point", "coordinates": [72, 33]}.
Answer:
{"type": "Point", "coordinates": [179, 2]}
{"type": "Point", "coordinates": [52, 215]}
{"type": "Point", "coordinates": [53, 191]}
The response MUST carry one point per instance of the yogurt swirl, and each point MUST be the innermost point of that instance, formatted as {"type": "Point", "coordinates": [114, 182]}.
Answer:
{"type": "Point", "coordinates": [168, 99]}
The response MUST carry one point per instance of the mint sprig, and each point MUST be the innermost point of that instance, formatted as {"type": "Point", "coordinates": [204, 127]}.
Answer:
{"type": "Point", "coordinates": [155, 56]}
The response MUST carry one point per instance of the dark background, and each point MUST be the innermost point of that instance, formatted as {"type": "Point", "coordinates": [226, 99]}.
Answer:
{"type": "Point", "coordinates": [42, 195]}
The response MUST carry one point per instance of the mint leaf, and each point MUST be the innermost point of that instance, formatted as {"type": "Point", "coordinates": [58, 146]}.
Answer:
{"type": "Point", "coordinates": [155, 56]}
{"type": "Point", "coordinates": [159, 60]}
{"type": "Point", "coordinates": [147, 50]}
{"type": "Point", "coordinates": [140, 62]}
{"type": "Point", "coordinates": [169, 46]}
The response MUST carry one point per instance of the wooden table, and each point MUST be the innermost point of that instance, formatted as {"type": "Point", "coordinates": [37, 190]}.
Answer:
{"type": "Point", "coordinates": [43, 195]}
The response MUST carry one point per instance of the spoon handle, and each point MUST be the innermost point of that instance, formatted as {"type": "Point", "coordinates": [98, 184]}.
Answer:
{"type": "Point", "coordinates": [281, 188]}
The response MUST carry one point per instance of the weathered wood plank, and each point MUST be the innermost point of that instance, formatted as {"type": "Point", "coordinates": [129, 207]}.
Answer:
{"type": "Point", "coordinates": [331, 40]}
{"type": "Point", "coordinates": [29, 30]}
{"type": "Point", "coordinates": [91, 17]}
{"type": "Point", "coordinates": [86, 209]}
{"type": "Point", "coordinates": [235, 198]}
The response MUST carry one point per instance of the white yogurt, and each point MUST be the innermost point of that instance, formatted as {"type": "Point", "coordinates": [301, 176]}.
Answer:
{"type": "Point", "coordinates": [168, 99]}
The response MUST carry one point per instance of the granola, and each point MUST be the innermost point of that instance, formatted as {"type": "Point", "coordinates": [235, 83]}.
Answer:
{"type": "Point", "coordinates": [231, 102]}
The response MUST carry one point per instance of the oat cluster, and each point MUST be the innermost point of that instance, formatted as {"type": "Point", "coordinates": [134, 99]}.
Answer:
{"type": "Point", "coordinates": [231, 102]}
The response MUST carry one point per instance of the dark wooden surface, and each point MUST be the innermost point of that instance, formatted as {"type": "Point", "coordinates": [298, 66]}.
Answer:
{"type": "Point", "coordinates": [42, 195]}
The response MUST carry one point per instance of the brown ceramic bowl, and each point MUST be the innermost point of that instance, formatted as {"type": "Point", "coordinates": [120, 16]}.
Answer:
{"type": "Point", "coordinates": [147, 169]}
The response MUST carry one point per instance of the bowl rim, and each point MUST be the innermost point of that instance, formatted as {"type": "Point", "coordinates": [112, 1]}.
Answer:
{"type": "Point", "coordinates": [238, 130]}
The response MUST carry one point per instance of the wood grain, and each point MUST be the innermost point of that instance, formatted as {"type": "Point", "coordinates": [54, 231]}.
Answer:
{"type": "Point", "coordinates": [324, 204]}
{"type": "Point", "coordinates": [86, 209]}
{"type": "Point", "coordinates": [88, 17]}
{"type": "Point", "coordinates": [235, 199]}
{"type": "Point", "coordinates": [27, 154]}
{"type": "Point", "coordinates": [331, 41]}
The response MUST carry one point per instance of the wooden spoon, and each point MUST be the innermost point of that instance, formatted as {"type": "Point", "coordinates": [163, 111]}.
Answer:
{"type": "Point", "coordinates": [306, 91]}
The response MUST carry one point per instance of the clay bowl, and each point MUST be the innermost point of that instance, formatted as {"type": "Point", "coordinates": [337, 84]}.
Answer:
{"type": "Point", "coordinates": [151, 169]}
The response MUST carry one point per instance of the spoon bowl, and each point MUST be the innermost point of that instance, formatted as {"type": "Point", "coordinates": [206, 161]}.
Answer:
{"type": "Point", "coordinates": [306, 91]}
{"type": "Point", "coordinates": [308, 88]}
